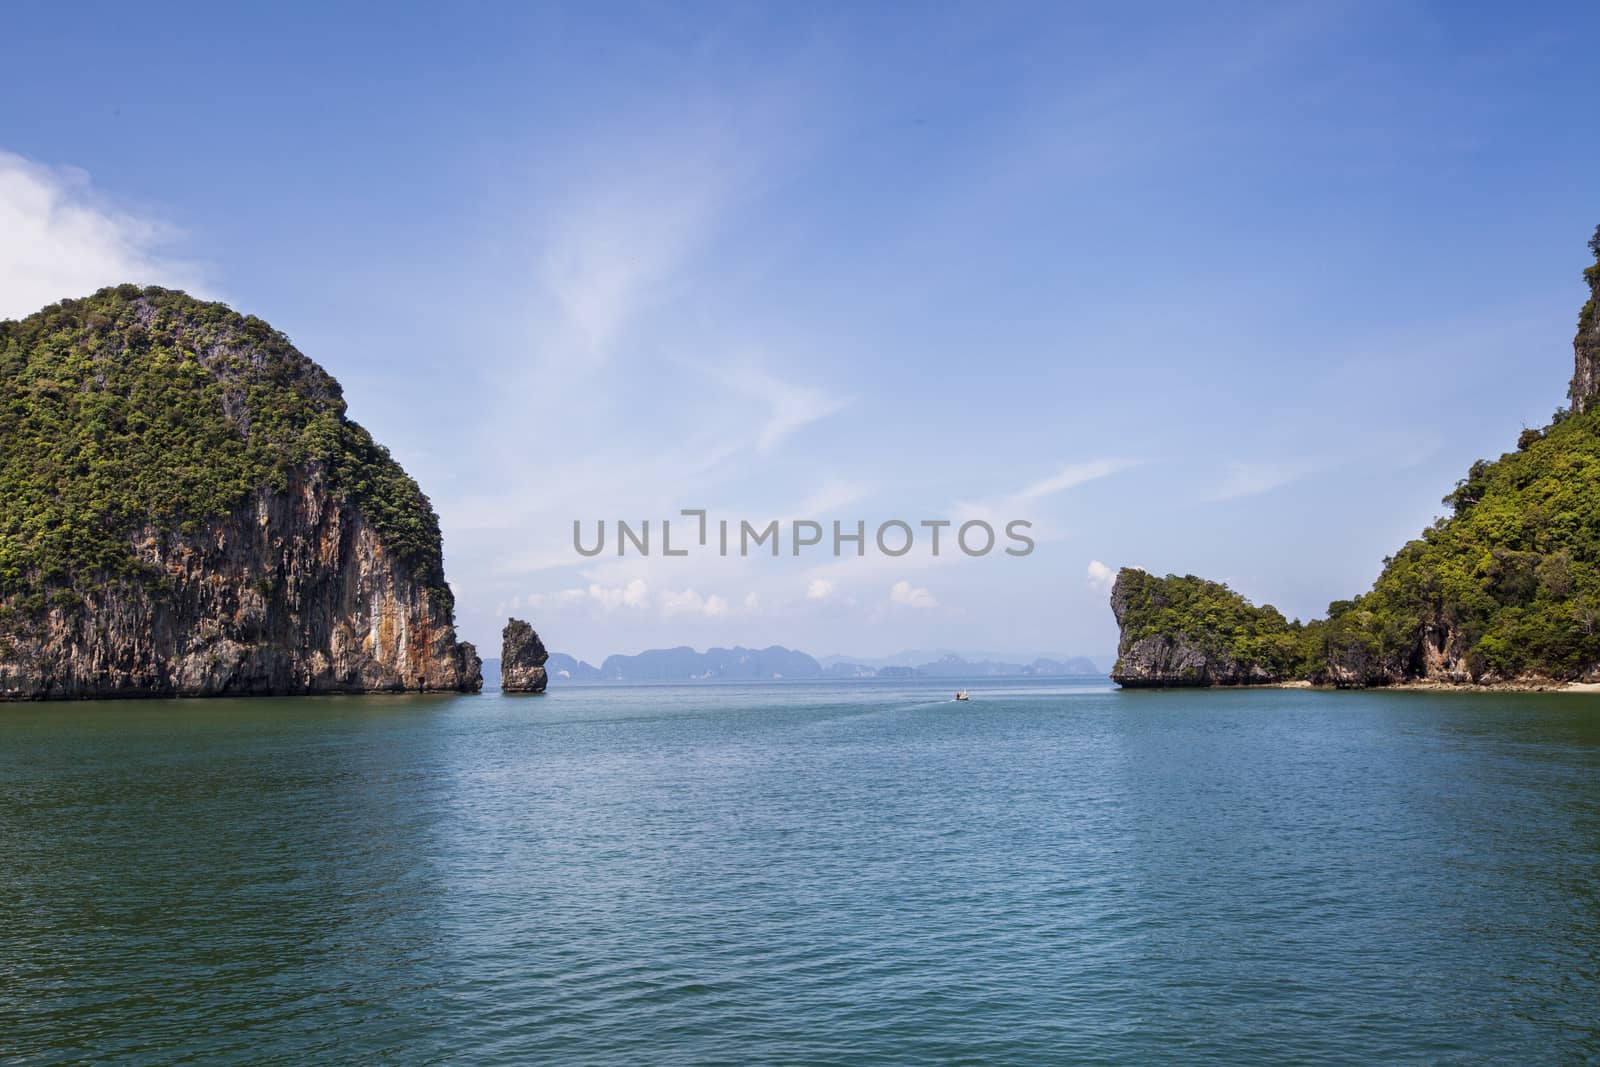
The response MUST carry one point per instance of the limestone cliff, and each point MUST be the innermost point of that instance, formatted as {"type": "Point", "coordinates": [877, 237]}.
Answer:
{"type": "Point", "coordinates": [1180, 632]}
{"type": "Point", "coordinates": [1585, 387]}
{"type": "Point", "coordinates": [1191, 632]}
{"type": "Point", "coordinates": [188, 512]}
{"type": "Point", "coordinates": [522, 659]}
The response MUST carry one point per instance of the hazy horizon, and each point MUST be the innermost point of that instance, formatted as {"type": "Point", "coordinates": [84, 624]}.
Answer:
{"type": "Point", "coordinates": [867, 660]}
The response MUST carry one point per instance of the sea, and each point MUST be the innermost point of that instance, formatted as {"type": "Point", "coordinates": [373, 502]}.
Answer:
{"type": "Point", "coordinates": [830, 873]}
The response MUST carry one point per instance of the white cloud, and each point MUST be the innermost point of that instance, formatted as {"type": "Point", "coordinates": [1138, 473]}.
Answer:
{"type": "Point", "coordinates": [690, 602]}
{"type": "Point", "coordinates": [1100, 576]}
{"type": "Point", "coordinates": [561, 596]}
{"type": "Point", "coordinates": [903, 592]}
{"type": "Point", "coordinates": [62, 240]}
{"type": "Point", "coordinates": [635, 594]}
{"type": "Point", "coordinates": [820, 589]}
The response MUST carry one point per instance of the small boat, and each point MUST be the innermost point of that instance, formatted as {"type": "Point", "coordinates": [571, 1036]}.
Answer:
{"type": "Point", "coordinates": [961, 694]}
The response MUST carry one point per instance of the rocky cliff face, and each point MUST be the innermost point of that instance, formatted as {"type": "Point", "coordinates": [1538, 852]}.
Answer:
{"type": "Point", "coordinates": [1175, 661]}
{"type": "Point", "coordinates": [187, 512]}
{"type": "Point", "coordinates": [522, 659]}
{"type": "Point", "coordinates": [1437, 654]}
{"type": "Point", "coordinates": [1585, 388]}
{"type": "Point", "coordinates": [292, 593]}
{"type": "Point", "coordinates": [1165, 642]}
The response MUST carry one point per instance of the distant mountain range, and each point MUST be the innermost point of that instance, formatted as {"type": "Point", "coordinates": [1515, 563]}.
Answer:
{"type": "Point", "coordinates": [684, 664]}
{"type": "Point", "coordinates": [918, 657]}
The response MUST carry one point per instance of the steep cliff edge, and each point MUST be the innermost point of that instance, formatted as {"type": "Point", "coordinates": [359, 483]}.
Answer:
{"type": "Point", "coordinates": [1504, 590]}
{"type": "Point", "coordinates": [1585, 385]}
{"type": "Point", "coordinates": [187, 511]}
{"type": "Point", "coordinates": [522, 659]}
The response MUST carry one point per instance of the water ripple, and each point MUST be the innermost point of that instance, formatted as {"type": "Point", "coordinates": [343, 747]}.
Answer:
{"type": "Point", "coordinates": [823, 874]}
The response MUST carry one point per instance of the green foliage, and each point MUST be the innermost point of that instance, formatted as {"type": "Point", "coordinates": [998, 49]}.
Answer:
{"type": "Point", "coordinates": [137, 406]}
{"type": "Point", "coordinates": [1514, 575]}
{"type": "Point", "coordinates": [1516, 571]}
{"type": "Point", "coordinates": [1211, 616]}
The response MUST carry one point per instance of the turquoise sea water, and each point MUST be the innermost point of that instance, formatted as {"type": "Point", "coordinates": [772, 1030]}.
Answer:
{"type": "Point", "coordinates": [830, 873]}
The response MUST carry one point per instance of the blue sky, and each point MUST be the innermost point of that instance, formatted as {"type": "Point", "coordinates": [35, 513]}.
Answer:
{"type": "Point", "coordinates": [1233, 291]}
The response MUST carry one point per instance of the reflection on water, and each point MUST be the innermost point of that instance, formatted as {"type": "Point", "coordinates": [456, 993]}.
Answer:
{"type": "Point", "coordinates": [821, 873]}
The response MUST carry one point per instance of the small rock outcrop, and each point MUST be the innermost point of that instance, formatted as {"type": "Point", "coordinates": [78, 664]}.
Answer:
{"type": "Point", "coordinates": [522, 659]}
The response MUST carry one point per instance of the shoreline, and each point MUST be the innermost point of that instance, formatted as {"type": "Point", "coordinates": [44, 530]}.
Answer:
{"type": "Point", "coordinates": [1426, 686]}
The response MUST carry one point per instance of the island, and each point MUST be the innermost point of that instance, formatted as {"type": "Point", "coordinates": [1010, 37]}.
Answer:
{"type": "Point", "coordinates": [1503, 591]}
{"type": "Point", "coordinates": [189, 512]}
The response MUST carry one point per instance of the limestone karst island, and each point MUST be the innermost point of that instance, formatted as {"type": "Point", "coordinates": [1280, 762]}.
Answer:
{"type": "Point", "coordinates": [1505, 590]}
{"type": "Point", "coordinates": [188, 512]}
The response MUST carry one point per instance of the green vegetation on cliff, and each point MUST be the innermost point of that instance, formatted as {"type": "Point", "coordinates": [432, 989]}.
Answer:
{"type": "Point", "coordinates": [1513, 576]}
{"type": "Point", "coordinates": [139, 405]}
{"type": "Point", "coordinates": [1507, 586]}
{"type": "Point", "coordinates": [1213, 619]}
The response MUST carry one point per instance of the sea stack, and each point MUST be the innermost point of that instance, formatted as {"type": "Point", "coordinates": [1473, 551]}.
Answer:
{"type": "Point", "coordinates": [188, 512]}
{"type": "Point", "coordinates": [522, 659]}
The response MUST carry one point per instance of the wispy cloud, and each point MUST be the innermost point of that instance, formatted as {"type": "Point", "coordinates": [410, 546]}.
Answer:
{"type": "Point", "coordinates": [628, 219]}
{"type": "Point", "coordinates": [1072, 476]}
{"type": "Point", "coordinates": [619, 247]}
{"type": "Point", "coordinates": [999, 510]}
{"type": "Point", "coordinates": [63, 240]}
{"type": "Point", "coordinates": [1101, 576]}
{"type": "Point", "coordinates": [1256, 477]}
{"type": "Point", "coordinates": [788, 406]}
{"type": "Point", "coordinates": [832, 496]}
{"type": "Point", "coordinates": [819, 589]}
